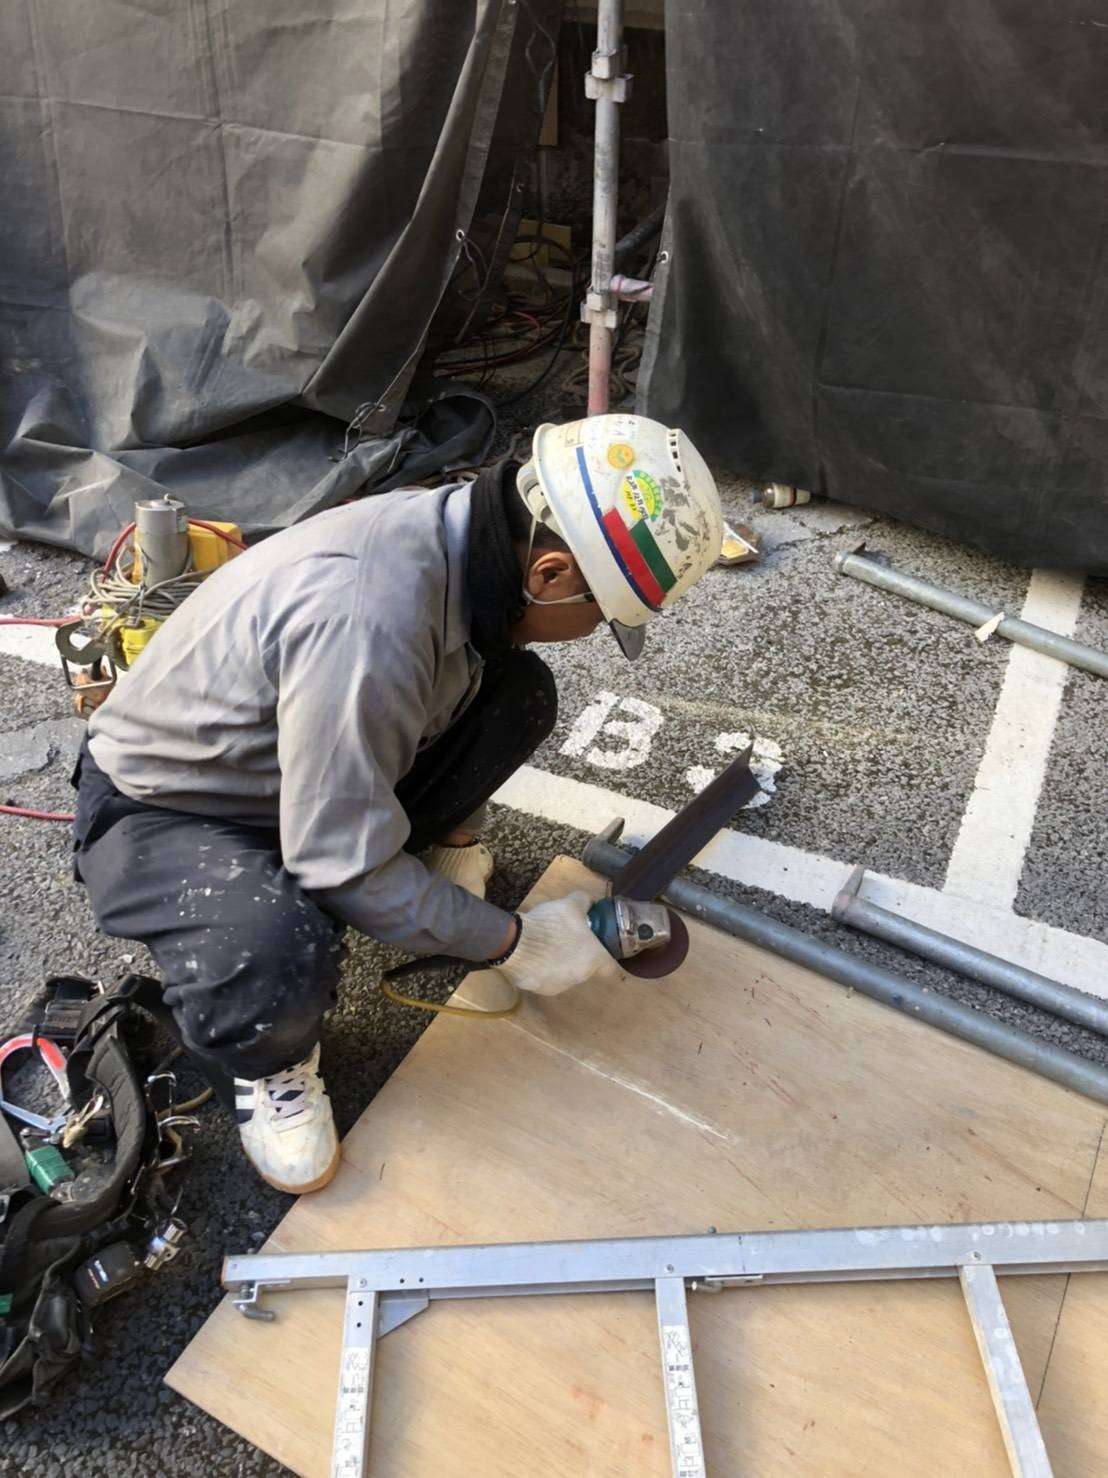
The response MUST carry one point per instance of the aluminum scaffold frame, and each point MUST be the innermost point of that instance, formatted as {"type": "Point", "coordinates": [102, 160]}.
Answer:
{"type": "Point", "coordinates": [386, 1288]}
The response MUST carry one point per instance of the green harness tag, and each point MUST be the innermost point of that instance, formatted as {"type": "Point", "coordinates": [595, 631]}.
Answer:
{"type": "Point", "coordinates": [47, 1166]}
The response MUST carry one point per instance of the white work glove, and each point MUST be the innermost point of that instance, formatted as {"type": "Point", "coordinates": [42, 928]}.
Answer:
{"type": "Point", "coordinates": [557, 949]}
{"type": "Point", "coordinates": [469, 866]}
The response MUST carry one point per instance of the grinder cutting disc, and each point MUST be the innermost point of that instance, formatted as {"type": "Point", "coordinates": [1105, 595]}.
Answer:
{"type": "Point", "coordinates": [646, 874]}
{"type": "Point", "coordinates": [652, 964]}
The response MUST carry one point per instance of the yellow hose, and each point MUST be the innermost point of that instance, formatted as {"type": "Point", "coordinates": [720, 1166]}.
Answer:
{"type": "Point", "coordinates": [394, 995]}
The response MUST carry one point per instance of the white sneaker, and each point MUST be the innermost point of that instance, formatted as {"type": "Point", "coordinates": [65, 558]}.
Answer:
{"type": "Point", "coordinates": [469, 866]}
{"type": "Point", "coordinates": [287, 1129]}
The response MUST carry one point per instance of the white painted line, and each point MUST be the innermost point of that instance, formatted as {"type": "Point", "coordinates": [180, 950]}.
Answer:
{"type": "Point", "coordinates": [988, 854]}
{"type": "Point", "coordinates": [34, 643]}
{"type": "Point", "coordinates": [807, 877]}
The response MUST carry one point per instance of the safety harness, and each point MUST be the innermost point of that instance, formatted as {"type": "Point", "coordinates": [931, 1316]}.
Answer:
{"type": "Point", "coordinates": [86, 1207]}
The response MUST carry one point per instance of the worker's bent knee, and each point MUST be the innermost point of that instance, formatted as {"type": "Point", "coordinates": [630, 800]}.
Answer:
{"type": "Point", "coordinates": [250, 962]}
{"type": "Point", "coordinates": [251, 995]}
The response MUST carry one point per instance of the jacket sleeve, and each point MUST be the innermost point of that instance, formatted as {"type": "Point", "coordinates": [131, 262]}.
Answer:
{"type": "Point", "coordinates": [352, 704]}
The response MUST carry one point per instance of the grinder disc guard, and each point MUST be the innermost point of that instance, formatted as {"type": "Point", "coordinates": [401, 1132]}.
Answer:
{"type": "Point", "coordinates": [652, 964]}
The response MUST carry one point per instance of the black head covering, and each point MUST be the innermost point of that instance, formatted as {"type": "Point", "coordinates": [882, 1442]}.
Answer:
{"type": "Point", "coordinates": [494, 571]}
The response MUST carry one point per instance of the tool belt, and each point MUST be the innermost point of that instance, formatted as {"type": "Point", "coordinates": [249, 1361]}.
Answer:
{"type": "Point", "coordinates": [84, 1204]}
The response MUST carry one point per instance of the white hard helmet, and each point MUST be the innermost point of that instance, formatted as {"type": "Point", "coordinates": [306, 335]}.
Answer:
{"type": "Point", "coordinates": [636, 504]}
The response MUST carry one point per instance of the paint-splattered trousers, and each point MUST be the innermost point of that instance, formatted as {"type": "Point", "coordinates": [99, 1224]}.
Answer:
{"type": "Point", "coordinates": [250, 962]}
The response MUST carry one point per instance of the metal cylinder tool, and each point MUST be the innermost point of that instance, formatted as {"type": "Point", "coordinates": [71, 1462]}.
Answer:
{"type": "Point", "coordinates": [161, 540]}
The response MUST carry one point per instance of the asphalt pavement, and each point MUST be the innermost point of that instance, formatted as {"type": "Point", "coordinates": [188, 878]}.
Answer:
{"type": "Point", "coordinates": [870, 716]}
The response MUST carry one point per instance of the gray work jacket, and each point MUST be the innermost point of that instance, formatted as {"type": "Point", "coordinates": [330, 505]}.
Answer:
{"type": "Point", "coordinates": [292, 690]}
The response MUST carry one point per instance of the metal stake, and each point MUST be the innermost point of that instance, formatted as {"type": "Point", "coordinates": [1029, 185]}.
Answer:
{"type": "Point", "coordinates": [864, 567]}
{"type": "Point", "coordinates": [1015, 1410]}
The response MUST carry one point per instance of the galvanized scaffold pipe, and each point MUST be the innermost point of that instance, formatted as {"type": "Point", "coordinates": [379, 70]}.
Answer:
{"type": "Point", "coordinates": [608, 85]}
{"type": "Point", "coordinates": [882, 985]}
{"type": "Point", "coordinates": [883, 577]}
{"type": "Point", "coordinates": [966, 959]}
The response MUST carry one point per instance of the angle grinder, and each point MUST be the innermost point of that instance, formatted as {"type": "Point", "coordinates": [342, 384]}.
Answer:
{"type": "Point", "coordinates": [648, 939]}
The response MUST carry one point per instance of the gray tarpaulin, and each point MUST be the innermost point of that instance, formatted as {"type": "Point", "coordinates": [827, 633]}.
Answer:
{"type": "Point", "coordinates": [226, 227]}
{"type": "Point", "coordinates": [888, 259]}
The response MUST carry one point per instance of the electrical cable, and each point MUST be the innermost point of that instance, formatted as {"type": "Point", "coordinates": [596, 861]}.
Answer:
{"type": "Point", "coordinates": [517, 356]}
{"type": "Point", "coordinates": [120, 540]}
{"type": "Point", "coordinates": [111, 587]}
{"type": "Point", "coordinates": [553, 337]}
{"type": "Point", "coordinates": [200, 523]}
{"type": "Point", "coordinates": [193, 1103]}
{"type": "Point", "coordinates": [552, 361]}
{"type": "Point", "coordinates": [541, 78]}
{"type": "Point", "coordinates": [447, 1010]}
{"type": "Point", "coordinates": [550, 313]}
{"type": "Point", "coordinates": [125, 598]}
{"type": "Point", "coordinates": [106, 588]}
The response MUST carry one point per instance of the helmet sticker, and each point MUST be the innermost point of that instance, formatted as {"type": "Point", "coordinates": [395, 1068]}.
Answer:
{"type": "Point", "coordinates": [633, 548]}
{"type": "Point", "coordinates": [640, 495]}
{"type": "Point", "coordinates": [620, 455]}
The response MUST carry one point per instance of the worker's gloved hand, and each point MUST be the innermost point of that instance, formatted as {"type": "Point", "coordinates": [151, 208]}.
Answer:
{"type": "Point", "coordinates": [557, 949]}
{"type": "Point", "coordinates": [469, 866]}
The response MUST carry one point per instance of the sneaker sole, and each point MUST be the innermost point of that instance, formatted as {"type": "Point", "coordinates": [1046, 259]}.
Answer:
{"type": "Point", "coordinates": [312, 1185]}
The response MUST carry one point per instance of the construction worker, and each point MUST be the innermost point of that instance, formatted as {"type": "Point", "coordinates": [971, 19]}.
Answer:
{"type": "Point", "coordinates": [310, 741]}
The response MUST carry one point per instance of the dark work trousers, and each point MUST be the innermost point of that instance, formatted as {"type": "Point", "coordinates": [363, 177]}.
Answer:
{"type": "Point", "coordinates": [250, 964]}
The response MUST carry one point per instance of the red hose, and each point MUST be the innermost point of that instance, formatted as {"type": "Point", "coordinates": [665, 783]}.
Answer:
{"type": "Point", "coordinates": [117, 546]}
{"type": "Point", "coordinates": [37, 815]}
{"type": "Point", "coordinates": [37, 620]}
{"type": "Point", "coordinates": [199, 523]}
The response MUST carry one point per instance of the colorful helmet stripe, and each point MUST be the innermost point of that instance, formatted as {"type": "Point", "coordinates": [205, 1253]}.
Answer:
{"type": "Point", "coordinates": [625, 550]}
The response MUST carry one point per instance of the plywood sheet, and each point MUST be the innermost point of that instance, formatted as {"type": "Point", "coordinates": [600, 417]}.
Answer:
{"type": "Point", "coordinates": [1073, 1407]}
{"type": "Point", "coordinates": [742, 1092]}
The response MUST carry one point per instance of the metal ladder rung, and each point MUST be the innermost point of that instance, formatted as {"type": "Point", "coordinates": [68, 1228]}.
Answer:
{"type": "Point", "coordinates": [350, 1447]}
{"type": "Point", "coordinates": [686, 1443]}
{"type": "Point", "coordinates": [1019, 1423]}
